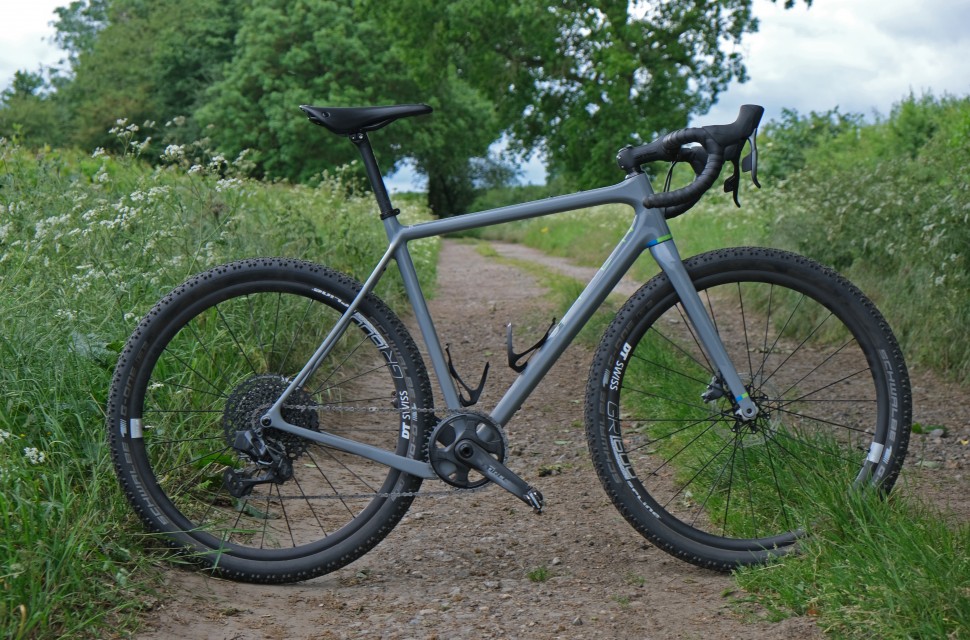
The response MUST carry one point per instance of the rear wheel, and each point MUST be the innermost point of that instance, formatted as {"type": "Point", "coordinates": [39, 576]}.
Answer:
{"type": "Point", "coordinates": [816, 357]}
{"type": "Point", "coordinates": [203, 367]}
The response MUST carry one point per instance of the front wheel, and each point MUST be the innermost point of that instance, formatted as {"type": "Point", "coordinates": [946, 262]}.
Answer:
{"type": "Point", "coordinates": [816, 357]}
{"type": "Point", "coordinates": [202, 368]}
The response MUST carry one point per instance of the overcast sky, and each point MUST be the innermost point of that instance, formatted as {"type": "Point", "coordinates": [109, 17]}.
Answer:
{"type": "Point", "coordinates": [859, 55]}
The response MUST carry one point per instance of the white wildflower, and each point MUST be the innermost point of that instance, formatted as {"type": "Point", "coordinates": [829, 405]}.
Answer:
{"type": "Point", "coordinates": [227, 184]}
{"type": "Point", "coordinates": [174, 152]}
{"type": "Point", "coordinates": [119, 126]}
{"type": "Point", "coordinates": [34, 456]}
{"type": "Point", "coordinates": [98, 152]}
{"type": "Point", "coordinates": [196, 168]}
{"type": "Point", "coordinates": [4, 436]}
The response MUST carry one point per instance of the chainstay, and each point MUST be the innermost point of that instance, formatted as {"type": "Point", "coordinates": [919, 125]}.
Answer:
{"type": "Point", "coordinates": [438, 495]}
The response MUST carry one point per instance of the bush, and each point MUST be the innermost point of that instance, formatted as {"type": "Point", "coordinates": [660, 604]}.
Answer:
{"type": "Point", "coordinates": [87, 244]}
{"type": "Point", "coordinates": [889, 205]}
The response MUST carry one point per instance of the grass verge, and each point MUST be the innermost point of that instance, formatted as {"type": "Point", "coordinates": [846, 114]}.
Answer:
{"type": "Point", "coordinates": [87, 245]}
{"type": "Point", "coordinates": [873, 567]}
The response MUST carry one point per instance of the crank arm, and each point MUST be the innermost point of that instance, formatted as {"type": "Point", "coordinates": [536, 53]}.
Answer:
{"type": "Point", "coordinates": [477, 458]}
{"type": "Point", "coordinates": [414, 467]}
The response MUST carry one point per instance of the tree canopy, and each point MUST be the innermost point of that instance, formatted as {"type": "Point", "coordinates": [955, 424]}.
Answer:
{"type": "Point", "coordinates": [574, 80]}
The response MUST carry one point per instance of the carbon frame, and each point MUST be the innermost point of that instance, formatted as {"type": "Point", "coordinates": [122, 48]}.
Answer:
{"type": "Point", "coordinates": [649, 230]}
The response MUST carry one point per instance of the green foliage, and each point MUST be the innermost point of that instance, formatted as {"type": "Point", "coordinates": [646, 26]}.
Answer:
{"type": "Point", "coordinates": [888, 205]}
{"type": "Point", "coordinates": [873, 568]}
{"type": "Point", "coordinates": [579, 81]}
{"type": "Point", "coordinates": [87, 245]}
{"type": "Point", "coordinates": [147, 61]}
{"type": "Point", "coordinates": [28, 113]}
{"type": "Point", "coordinates": [573, 80]}
{"type": "Point", "coordinates": [795, 136]}
{"type": "Point", "coordinates": [78, 24]}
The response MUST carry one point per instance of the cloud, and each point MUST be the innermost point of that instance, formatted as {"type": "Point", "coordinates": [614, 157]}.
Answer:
{"type": "Point", "coordinates": [861, 56]}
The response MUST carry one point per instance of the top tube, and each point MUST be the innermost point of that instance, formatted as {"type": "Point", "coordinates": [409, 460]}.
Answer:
{"type": "Point", "coordinates": [630, 191]}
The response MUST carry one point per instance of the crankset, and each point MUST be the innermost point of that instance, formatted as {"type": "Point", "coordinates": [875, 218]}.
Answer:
{"type": "Point", "coordinates": [468, 450]}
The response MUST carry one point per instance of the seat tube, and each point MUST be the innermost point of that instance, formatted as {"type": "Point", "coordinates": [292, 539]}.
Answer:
{"type": "Point", "coordinates": [666, 254]}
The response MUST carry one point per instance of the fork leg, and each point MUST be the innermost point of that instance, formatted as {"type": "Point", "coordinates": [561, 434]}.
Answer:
{"type": "Point", "coordinates": [666, 254]}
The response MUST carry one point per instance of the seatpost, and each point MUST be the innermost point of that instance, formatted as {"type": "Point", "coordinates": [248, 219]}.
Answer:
{"type": "Point", "coordinates": [374, 175]}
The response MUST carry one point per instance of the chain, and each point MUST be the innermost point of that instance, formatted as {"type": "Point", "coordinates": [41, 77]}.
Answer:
{"type": "Point", "coordinates": [448, 493]}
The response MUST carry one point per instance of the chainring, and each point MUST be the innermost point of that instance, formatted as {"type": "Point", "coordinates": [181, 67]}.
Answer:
{"type": "Point", "coordinates": [470, 425]}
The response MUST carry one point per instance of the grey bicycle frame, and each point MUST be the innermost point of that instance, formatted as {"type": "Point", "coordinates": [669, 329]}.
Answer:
{"type": "Point", "coordinates": [649, 230]}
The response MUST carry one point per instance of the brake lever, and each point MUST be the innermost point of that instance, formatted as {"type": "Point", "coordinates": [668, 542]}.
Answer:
{"type": "Point", "coordinates": [748, 164]}
{"type": "Point", "coordinates": [732, 184]}
{"type": "Point", "coordinates": [750, 161]}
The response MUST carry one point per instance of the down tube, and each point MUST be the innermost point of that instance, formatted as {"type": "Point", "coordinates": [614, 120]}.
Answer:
{"type": "Point", "coordinates": [645, 229]}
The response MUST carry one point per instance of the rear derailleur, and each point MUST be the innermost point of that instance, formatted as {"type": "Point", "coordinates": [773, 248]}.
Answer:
{"type": "Point", "coordinates": [274, 465]}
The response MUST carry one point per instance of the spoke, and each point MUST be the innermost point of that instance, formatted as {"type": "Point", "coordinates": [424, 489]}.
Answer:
{"type": "Point", "coordinates": [714, 485]}
{"type": "Point", "coordinates": [696, 474]}
{"type": "Point", "coordinates": [774, 344]}
{"type": "Point", "coordinates": [675, 432]}
{"type": "Point", "coordinates": [744, 330]}
{"type": "Point", "coordinates": [774, 475]}
{"type": "Point", "coordinates": [306, 499]}
{"type": "Point", "coordinates": [796, 349]}
{"type": "Point", "coordinates": [682, 449]}
{"type": "Point", "coordinates": [657, 365]}
{"type": "Point", "coordinates": [346, 380]}
{"type": "Point", "coordinates": [360, 400]}
{"type": "Point", "coordinates": [340, 365]}
{"type": "Point", "coordinates": [286, 518]}
{"type": "Point", "coordinates": [352, 473]}
{"type": "Point", "coordinates": [235, 340]}
{"type": "Point", "coordinates": [730, 486]}
{"type": "Point", "coordinates": [276, 324]}
{"type": "Point", "coordinates": [219, 392]}
{"type": "Point", "coordinates": [178, 385]}
{"type": "Point", "coordinates": [810, 445]}
{"type": "Point", "coordinates": [180, 411]}
{"type": "Point", "coordinates": [831, 384]}
{"type": "Point", "coordinates": [266, 512]}
{"type": "Point", "coordinates": [817, 367]}
{"type": "Point", "coordinates": [296, 334]}
{"type": "Point", "coordinates": [211, 454]}
{"type": "Point", "coordinates": [255, 326]}
{"type": "Point", "coordinates": [157, 443]}
{"type": "Point", "coordinates": [748, 484]}
{"type": "Point", "coordinates": [690, 330]}
{"type": "Point", "coordinates": [821, 421]}
{"type": "Point", "coordinates": [675, 345]}
{"type": "Point", "coordinates": [198, 472]}
{"type": "Point", "coordinates": [682, 403]}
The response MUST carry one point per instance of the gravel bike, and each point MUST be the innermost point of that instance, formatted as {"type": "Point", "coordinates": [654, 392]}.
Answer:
{"type": "Point", "coordinates": [274, 419]}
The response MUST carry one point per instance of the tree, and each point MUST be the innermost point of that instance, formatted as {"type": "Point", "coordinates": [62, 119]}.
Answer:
{"type": "Point", "coordinates": [142, 60]}
{"type": "Point", "coordinates": [577, 79]}
{"type": "Point", "coordinates": [28, 112]}
{"type": "Point", "coordinates": [337, 53]}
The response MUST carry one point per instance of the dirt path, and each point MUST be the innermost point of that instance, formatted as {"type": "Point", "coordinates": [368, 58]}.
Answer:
{"type": "Point", "coordinates": [459, 567]}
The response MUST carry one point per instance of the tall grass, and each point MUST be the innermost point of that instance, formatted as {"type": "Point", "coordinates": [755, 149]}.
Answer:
{"type": "Point", "coordinates": [87, 244]}
{"type": "Point", "coordinates": [873, 568]}
{"type": "Point", "coordinates": [887, 205]}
